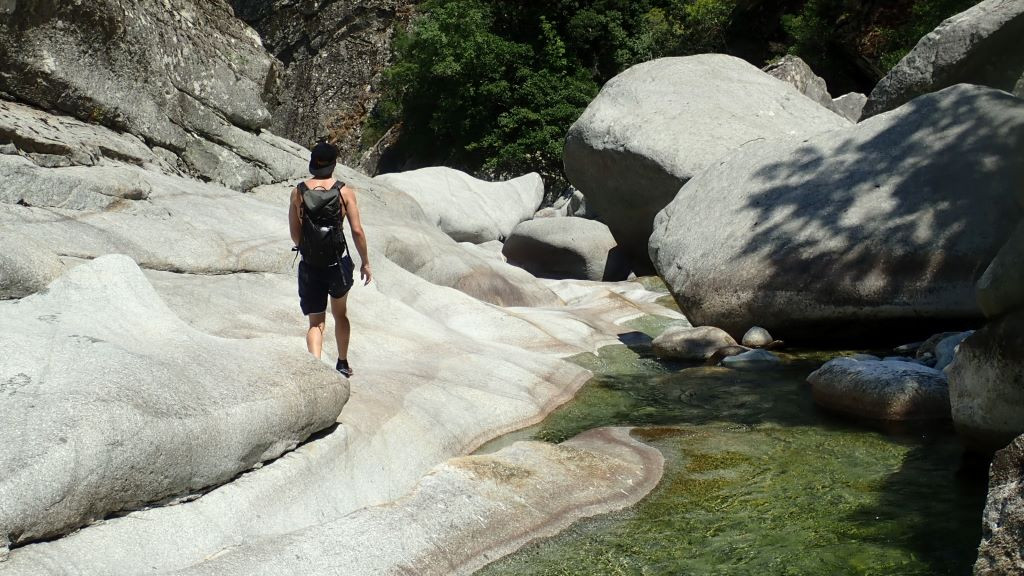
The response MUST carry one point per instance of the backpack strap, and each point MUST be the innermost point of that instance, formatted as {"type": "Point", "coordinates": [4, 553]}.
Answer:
{"type": "Point", "coordinates": [302, 187]}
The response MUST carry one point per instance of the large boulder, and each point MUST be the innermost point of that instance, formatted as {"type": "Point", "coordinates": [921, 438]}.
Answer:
{"type": "Point", "coordinates": [855, 231]}
{"type": "Point", "coordinates": [566, 248]}
{"type": "Point", "coordinates": [986, 384]}
{"type": "Point", "coordinates": [881, 390]}
{"type": "Point", "coordinates": [660, 123]}
{"type": "Point", "coordinates": [978, 46]}
{"type": "Point", "coordinates": [110, 401]}
{"type": "Point", "coordinates": [466, 208]}
{"type": "Point", "coordinates": [185, 76]}
{"type": "Point", "coordinates": [1001, 552]}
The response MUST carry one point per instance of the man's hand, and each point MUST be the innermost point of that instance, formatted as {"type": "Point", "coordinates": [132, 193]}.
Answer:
{"type": "Point", "coordinates": [365, 274]}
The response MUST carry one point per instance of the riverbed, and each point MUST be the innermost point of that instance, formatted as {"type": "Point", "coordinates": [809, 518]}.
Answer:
{"type": "Point", "coordinates": [758, 480]}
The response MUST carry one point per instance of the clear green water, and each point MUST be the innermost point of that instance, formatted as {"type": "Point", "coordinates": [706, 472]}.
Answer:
{"type": "Point", "coordinates": [760, 482]}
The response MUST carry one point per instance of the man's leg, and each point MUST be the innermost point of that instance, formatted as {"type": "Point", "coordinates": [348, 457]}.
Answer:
{"type": "Point", "coordinates": [315, 333]}
{"type": "Point", "coordinates": [342, 328]}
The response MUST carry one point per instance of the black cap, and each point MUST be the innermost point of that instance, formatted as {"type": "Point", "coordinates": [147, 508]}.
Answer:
{"type": "Point", "coordinates": [322, 160]}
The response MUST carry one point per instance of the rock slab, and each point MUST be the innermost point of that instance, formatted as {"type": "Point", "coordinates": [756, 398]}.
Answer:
{"type": "Point", "coordinates": [466, 513]}
{"type": "Point", "coordinates": [110, 402]}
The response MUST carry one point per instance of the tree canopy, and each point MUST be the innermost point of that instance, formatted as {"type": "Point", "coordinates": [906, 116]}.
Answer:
{"type": "Point", "coordinates": [492, 86]}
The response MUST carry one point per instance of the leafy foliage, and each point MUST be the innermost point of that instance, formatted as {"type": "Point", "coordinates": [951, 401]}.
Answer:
{"type": "Point", "coordinates": [492, 86]}
{"type": "Point", "coordinates": [826, 32]}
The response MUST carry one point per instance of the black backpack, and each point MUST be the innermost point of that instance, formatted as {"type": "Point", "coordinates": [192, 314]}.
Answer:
{"type": "Point", "coordinates": [323, 240]}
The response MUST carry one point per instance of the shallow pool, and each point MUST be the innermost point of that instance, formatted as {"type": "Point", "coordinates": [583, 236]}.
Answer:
{"type": "Point", "coordinates": [758, 481]}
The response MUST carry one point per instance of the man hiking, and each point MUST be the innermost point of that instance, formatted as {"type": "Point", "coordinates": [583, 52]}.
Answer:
{"type": "Point", "coordinates": [315, 217]}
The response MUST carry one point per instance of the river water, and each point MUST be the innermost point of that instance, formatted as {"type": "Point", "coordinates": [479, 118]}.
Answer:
{"type": "Point", "coordinates": [758, 480]}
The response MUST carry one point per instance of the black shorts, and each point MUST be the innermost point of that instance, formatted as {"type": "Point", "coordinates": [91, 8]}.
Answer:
{"type": "Point", "coordinates": [316, 282]}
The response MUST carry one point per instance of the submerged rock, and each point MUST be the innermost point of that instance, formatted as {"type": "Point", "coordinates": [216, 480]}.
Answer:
{"type": "Point", "coordinates": [725, 352]}
{"type": "Point", "coordinates": [881, 390]}
{"type": "Point", "coordinates": [751, 359]}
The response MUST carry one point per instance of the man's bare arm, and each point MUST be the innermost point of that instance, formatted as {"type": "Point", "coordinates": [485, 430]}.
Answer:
{"type": "Point", "coordinates": [348, 195]}
{"type": "Point", "coordinates": [294, 224]}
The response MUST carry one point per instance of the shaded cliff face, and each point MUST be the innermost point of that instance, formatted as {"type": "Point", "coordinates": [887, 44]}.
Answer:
{"type": "Point", "coordinates": [332, 54]}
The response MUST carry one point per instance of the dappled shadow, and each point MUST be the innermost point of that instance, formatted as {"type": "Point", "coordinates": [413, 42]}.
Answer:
{"type": "Point", "coordinates": [949, 502]}
{"type": "Point", "coordinates": [638, 342]}
{"type": "Point", "coordinates": [891, 221]}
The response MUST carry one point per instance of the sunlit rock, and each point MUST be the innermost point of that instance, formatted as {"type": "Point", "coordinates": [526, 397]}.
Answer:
{"type": "Point", "coordinates": [686, 343]}
{"type": "Point", "coordinates": [466, 208]}
{"type": "Point", "coordinates": [851, 233]}
{"type": "Point", "coordinates": [658, 124]}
